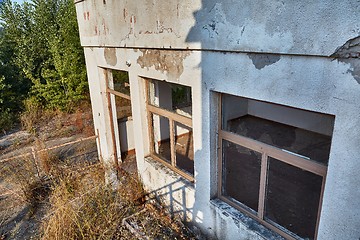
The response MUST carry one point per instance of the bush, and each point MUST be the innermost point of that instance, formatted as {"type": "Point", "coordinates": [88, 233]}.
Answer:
{"type": "Point", "coordinates": [31, 115]}
{"type": "Point", "coordinates": [7, 120]}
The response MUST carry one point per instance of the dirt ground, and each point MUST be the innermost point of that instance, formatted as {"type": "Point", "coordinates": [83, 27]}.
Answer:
{"type": "Point", "coordinates": [21, 219]}
{"type": "Point", "coordinates": [18, 218]}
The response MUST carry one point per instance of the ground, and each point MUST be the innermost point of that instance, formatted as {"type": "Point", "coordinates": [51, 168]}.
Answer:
{"type": "Point", "coordinates": [37, 198]}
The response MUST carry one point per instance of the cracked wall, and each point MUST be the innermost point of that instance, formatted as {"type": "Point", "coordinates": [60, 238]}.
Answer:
{"type": "Point", "coordinates": [288, 27]}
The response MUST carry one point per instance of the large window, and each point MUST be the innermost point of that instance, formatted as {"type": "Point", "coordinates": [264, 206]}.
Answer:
{"type": "Point", "coordinates": [273, 163]}
{"type": "Point", "coordinates": [170, 126]}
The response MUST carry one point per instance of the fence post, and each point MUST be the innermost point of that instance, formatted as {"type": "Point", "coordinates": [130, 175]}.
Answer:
{"type": "Point", "coordinates": [35, 162]}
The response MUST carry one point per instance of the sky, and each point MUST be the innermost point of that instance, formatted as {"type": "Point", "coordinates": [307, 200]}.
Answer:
{"type": "Point", "coordinates": [18, 1]}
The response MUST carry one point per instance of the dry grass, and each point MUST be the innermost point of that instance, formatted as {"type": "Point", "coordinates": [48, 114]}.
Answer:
{"type": "Point", "coordinates": [83, 207]}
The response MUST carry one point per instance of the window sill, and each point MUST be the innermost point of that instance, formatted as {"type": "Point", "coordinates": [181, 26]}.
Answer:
{"type": "Point", "coordinates": [240, 218]}
{"type": "Point", "coordinates": [169, 171]}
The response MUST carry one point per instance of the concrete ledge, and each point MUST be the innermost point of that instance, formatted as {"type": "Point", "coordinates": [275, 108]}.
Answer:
{"type": "Point", "coordinates": [226, 211]}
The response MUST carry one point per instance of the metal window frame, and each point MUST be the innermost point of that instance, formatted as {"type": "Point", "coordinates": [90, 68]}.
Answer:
{"type": "Point", "coordinates": [172, 118]}
{"type": "Point", "coordinates": [266, 151]}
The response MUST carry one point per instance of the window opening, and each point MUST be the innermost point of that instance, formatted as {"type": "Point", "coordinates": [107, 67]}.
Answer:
{"type": "Point", "coordinates": [161, 137]}
{"type": "Point", "coordinates": [119, 87]}
{"type": "Point", "coordinates": [184, 147]}
{"type": "Point", "coordinates": [118, 92]}
{"type": "Point", "coordinates": [170, 129]}
{"type": "Point", "coordinates": [273, 163]}
{"type": "Point", "coordinates": [171, 97]}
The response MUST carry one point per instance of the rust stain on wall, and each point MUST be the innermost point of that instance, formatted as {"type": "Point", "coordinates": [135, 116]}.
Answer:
{"type": "Point", "coordinates": [110, 56]}
{"type": "Point", "coordinates": [125, 14]}
{"type": "Point", "coordinates": [170, 62]}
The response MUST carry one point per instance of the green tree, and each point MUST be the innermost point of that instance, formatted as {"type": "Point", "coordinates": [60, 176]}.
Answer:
{"type": "Point", "coordinates": [14, 87]}
{"type": "Point", "coordinates": [47, 50]}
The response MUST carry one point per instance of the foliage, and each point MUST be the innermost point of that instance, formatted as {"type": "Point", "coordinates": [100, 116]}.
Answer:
{"type": "Point", "coordinates": [7, 119]}
{"type": "Point", "coordinates": [13, 87]}
{"type": "Point", "coordinates": [40, 55]}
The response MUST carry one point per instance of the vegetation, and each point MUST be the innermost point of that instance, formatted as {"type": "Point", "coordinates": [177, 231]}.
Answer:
{"type": "Point", "coordinates": [66, 199]}
{"type": "Point", "coordinates": [41, 61]}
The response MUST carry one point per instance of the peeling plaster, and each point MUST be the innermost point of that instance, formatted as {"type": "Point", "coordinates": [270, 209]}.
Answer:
{"type": "Point", "coordinates": [350, 53]}
{"type": "Point", "coordinates": [241, 219]}
{"type": "Point", "coordinates": [170, 62]}
{"type": "Point", "coordinates": [110, 56]}
{"type": "Point", "coordinates": [262, 60]}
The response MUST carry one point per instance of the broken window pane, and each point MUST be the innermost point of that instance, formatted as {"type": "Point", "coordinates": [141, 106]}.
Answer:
{"type": "Point", "coordinates": [120, 82]}
{"type": "Point", "coordinates": [241, 173]}
{"type": "Point", "coordinates": [170, 96]}
{"type": "Point", "coordinates": [161, 131]}
{"type": "Point", "coordinates": [184, 148]}
{"type": "Point", "coordinates": [292, 198]}
{"type": "Point", "coordinates": [302, 132]}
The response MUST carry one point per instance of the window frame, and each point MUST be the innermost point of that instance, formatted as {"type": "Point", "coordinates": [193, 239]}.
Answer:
{"type": "Point", "coordinates": [108, 72]}
{"type": "Point", "coordinates": [267, 151]}
{"type": "Point", "coordinates": [172, 118]}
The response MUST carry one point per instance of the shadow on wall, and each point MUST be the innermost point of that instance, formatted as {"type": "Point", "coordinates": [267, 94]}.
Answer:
{"type": "Point", "coordinates": [171, 192]}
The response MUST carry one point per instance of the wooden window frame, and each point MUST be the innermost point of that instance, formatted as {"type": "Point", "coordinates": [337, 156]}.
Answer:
{"type": "Point", "coordinates": [266, 151]}
{"type": "Point", "coordinates": [109, 92]}
{"type": "Point", "coordinates": [172, 118]}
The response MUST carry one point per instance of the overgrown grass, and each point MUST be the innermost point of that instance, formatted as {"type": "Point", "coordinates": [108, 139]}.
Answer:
{"type": "Point", "coordinates": [28, 176]}
{"type": "Point", "coordinates": [33, 115]}
{"type": "Point", "coordinates": [78, 119]}
{"type": "Point", "coordinates": [79, 205]}
{"type": "Point", "coordinates": [83, 207]}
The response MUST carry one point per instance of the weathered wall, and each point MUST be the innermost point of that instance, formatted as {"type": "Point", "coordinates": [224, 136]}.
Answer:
{"type": "Point", "coordinates": [311, 83]}
{"type": "Point", "coordinates": [133, 37]}
{"type": "Point", "coordinates": [274, 26]}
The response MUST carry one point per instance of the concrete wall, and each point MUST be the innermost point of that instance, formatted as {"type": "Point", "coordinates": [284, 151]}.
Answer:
{"type": "Point", "coordinates": [235, 107]}
{"type": "Point", "coordinates": [273, 51]}
{"type": "Point", "coordinates": [310, 83]}
{"type": "Point", "coordinates": [126, 135]}
{"type": "Point", "coordinates": [315, 122]}
{"type": "Point", "coordinates": [292, 27]}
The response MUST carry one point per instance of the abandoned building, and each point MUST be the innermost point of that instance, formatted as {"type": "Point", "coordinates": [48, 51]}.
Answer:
{"type": "Point", "coordinates": [244, 115]}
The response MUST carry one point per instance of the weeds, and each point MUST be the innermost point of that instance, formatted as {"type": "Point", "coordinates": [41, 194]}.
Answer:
{"type": "Point", "coordinates": [83, 207]}
{"type": "Point", "coordinates": [34, 115]}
